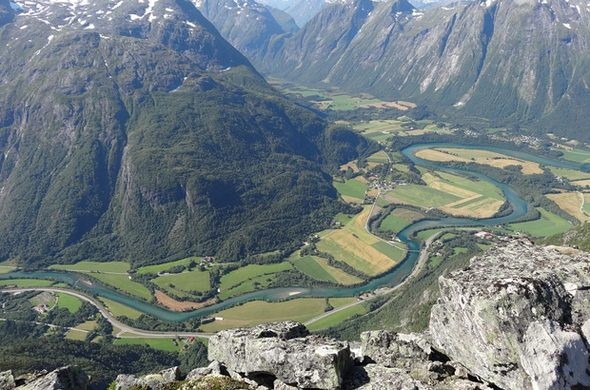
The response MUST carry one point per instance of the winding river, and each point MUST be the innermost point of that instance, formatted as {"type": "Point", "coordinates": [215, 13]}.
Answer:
{"type": "Point", "coordinates": [392, 278]}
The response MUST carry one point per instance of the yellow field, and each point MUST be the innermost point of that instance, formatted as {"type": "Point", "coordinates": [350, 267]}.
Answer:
{"type": "Point", "coordinates": [358, 248]}
{"type": "Point", "coordinates": [483, 157]}
{"type": "Point", "coordinates": [572, 203]}
{"type": "Point", "coordinates": [582, 183]}
{"type": "Point", "coordinates": [257, 312]}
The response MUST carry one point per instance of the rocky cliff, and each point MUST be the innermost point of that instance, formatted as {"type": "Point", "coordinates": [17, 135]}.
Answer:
{"type": "Point", "coordinates": [517, 318]}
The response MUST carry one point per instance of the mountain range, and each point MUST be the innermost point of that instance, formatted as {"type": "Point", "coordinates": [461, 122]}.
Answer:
{"type": "Point", "coordinates": [508, 63]}
{"type": "Point", "coordinates": [133, 130]}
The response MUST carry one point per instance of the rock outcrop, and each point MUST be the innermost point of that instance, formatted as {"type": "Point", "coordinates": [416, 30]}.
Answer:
{"type": "Point", "coordinates": [516, 317]}
{"type": "Point", "coordinates": [65, 378]}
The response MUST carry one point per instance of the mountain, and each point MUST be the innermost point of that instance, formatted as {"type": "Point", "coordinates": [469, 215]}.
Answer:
{"type": "Point", "coordinates": [248, 25]}
{"type": "Point", "coordinates": [522, 62]}
{"type": "Point", "coordinates": [300, 10]}
{"type": "Point", "coordinates": [132, 129]}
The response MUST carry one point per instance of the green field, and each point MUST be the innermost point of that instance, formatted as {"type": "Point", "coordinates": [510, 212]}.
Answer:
{"type": "Point", "coordinates": [343, 218]}
{"type": "Point", "coordinates": [337, 318]}
{"type": "Point", "coordinates": [548, 225]}
{"type": "Point", "coordinates": [184, 283]}
{"type": "Point", "coordinates": [24, 283]}
{"type": "Point", "coordinates": [250, 278]}
{"type": "Point", "coordinates": [426, 234]}
{"type": "Point", "coordinates": [157, 268]}
{"type": "Point", "coordinates": [161, 344]}
{"type": "Point", "coordinates": [77, 335]}
{"type": "Point", "coordinates": [422, 196]}
{"type": "Point", "coordinates": [569, 174]}
{"type": "Point", "coordinates": [69, 302]}
{"type": "Point", "coordinates": [94, 266]}
{"type": "Point", "coordinates": [577, 155]}
{"type": "Point", "coordinates": [379, 157]}
{"type": "Point", "coordinates": [120, 310]}
{"type": "Point", "coordinates": [257, 312]}
{"type": "Point", "coordinates": [351, 188]}
{"type": "Point", "coordinates": [319, 269]}
{"type": "Point", "coordinates": [123, 283]}
{"type": "Point", "coordinates": [399, 219]}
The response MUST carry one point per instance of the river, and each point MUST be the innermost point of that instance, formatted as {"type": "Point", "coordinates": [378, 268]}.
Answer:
{"type": "Point", "coordinates": [395, 276]}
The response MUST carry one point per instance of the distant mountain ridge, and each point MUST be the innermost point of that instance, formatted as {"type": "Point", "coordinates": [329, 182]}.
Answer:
{"type": "Point", "coordinates": [133, 130]}
{"type": "Point", "coordinates": [508, 61]}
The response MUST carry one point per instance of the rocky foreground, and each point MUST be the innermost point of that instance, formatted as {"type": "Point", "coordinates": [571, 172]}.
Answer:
{"type": "Point", "coordinates": [517, 318]}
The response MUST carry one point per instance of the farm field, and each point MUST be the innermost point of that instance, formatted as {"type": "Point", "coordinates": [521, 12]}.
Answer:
{"type": "Point", "coordinates": [6, 267]}
{"type": "Point", "coordinates": [182, 284]}
{"type": "Point", "coordinates": [319, 269]}
{"type": "Point", "coordinates": [399, 219]}
{"type": "Point", "coordinates": [577, 155]}
{"type": "Point", "coordinates": [24, 283]}
{"type": "Point", "coordinates": [452, 194]}
{"type": "Point", "coordinates": [257, 312]}
{"type": "Point", "coordinates": [337, 318]}
{"type": "Point", "coordinates": [483, 157]}
{"type": "Point", "coordinates": [586, 206]}
{"type": "Point", "coordinates": [69, 302]}
{"type": "Point", "coordinates": [94, 266]}
{"type": "Point", "coordinates": [76, 335]}
{"type": "Point", "coordinates": [119, 310]}
{"type": "Point", "coordinates": [125, 284]}
{"type": "Point", "coordinates": [157, 268]}
{"type": "Point", "coordinates": [584, 183]}
{"type": "Point", "coordinates": [378, 158]}
{"type": "Point", "coordinates": [361, 250]}
{"type": "Point", "coordinates": [569, 174]}
{"type": "Point", "coordinates": [352, 190]}
{"type": "Point", "coordinates": [168, 345]}
{"type": "Point", "coordinates": [572, 203]}
{"type": "Point", "coordinates": [250, 278]}
{"type": "Point", "coordinates": [548, 225]}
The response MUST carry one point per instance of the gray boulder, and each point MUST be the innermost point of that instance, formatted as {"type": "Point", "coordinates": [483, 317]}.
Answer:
{"type": "Point", "coordinates": [391, 349]}
{"type": "Point", "coordinates": [65, 378]}
{"type": "Point", "coordinates": [515, 316]}
{"type": "Point", "coordinates": [152, 381]}
{"type": "Point", "coordinates": [214, 368]}
{"type": "Point", "coordinates": [284, 351]}
{"type": "Point", "coordinates": [7, 380]}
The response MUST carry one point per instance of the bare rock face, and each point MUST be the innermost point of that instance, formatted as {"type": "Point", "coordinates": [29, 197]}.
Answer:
{"type": "Point", "coordinates": [65, 378]}
{"type": "Point", "coordinates": [7, 380]}
{"type": "Point", "coordinates": [516, 316]}
{"type": "Point", "coordinates": [152, 381]}
{"type": "Point", "coordinates": [394, 349]}
{"type": "Point", "coordinates": [285, 351]}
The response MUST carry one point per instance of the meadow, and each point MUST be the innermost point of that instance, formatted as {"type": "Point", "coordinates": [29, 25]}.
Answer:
{"type": "Point", "coordinates": [69, 302]}
{"type": "Point", "coordinates": [352, 190]}
{"type": "Point", "coordinates": [482, 157]}
{"type": "Point", "coordinates": [256, 312]}
{"type": "Point", "coordinates": [24, 283]}
{"type": "Point", "coordinates": [6, 267]}
{"type": "Point", "coordinates": [572, 203]}
{"type": "Point", "coordinates": [337, 318]}
{"type": "Point", "coordinates": [164, 267]}
{"type": "Point", "coordinates": [120, 310]}
{"type": "Point", "coordinates": [361, 250]}
{"type": "Point", "coordinates": [319, 269]}
{"type": "Point", "coordinates": [182, 284]}
{"type": "Point", "coordinates": [250, 278]}
{"type": "Point", "coordinates": [548, 225]}
{"type": "Point", "coordinates": [120, 267]}
{"type": "Point", "coordinates": [168, 345]}
{"type": "Point", "coordinates": [452, 194]}
{"type": "Point", "coordinates": [399, 219]}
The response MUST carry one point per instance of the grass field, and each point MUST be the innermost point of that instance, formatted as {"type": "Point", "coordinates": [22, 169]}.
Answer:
{"type": "Point", "coordinates": [455, 195]}
{"type": "Point", "coordinates": [319, 269]}
{"type": "Point", "coordinates": [378, 158]}
{"type": "Point", "coordinates": [569, 174]}
{"type": "Point", "coordinates": [250, 278]}
{"type": "Point", "coordinates": [337, 318]}
{"type": "Point", "coordinates": [69, 302]}
{"type": "Point", "coordinates": [548, 225]}
{"type": "Point", "coordinates": [361, 250]}
{"type": "Point", "coordinates": [157, 268]}
{"type": "Point", "coordinates": [24, 283]}
{"type": "Point", "coordinates": [577, 155]}
{"type": "Point", "coordinates": [94, 266]}
{"type": "Point", "coordinates": [161, 344]}
{"type": "Point", "coordinates": [124, 283]}
{"type": "Point", "coordinates": [183, 283]}
{"type": "Point", "coordinates": [6, 267]}
{"type": "Point", "coordinates": [351, 190]}
{"type": "Point", "coordinates": [119, 310]}
{"type": "Point", "coordinates": [572, 203]}
{"type": "Point", "coordinates": [77, 335]}
{"type": "Point", "coordinates": [399, 219]}
{"type": "Point", "coordinates": [483, 157]}
{"type": "Point", "coordinates": [257, 312]}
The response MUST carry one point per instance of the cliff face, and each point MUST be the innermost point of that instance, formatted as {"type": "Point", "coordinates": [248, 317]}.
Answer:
{"type": "Point", "coordinates": [517, 318]}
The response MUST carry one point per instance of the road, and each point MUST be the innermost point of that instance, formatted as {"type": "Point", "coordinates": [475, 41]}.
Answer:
{"type": "Point", "coordinates": [123, 328]}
